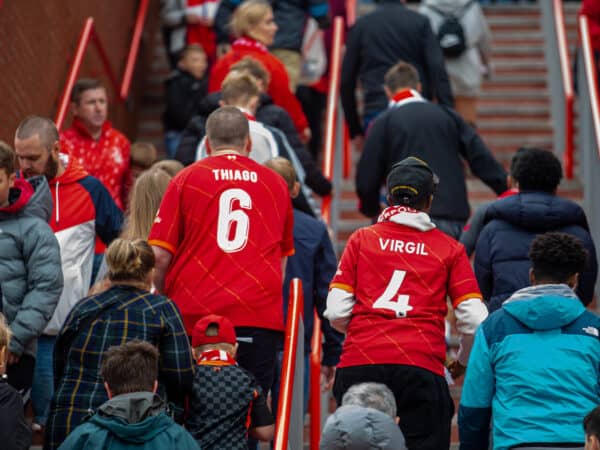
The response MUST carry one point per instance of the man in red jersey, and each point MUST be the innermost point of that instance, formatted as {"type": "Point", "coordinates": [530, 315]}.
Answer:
{"type": "Point", "coordinates": [221, 237]}
{"type": "Point", "coordinates": [102, 150]}
{"type": "Point", "coordinates": [389, 296]}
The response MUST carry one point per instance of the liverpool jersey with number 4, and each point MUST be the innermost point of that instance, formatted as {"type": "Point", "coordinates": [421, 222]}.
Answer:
{"type": "Point", "coordinates": [400, 278]}
{"type": "Point", "coordinates": [227, 221]}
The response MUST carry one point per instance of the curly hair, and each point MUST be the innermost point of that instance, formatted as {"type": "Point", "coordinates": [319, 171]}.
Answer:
{"type": "Point", "coordinates": [557, 256]}
{"type": "Point", "coordinates": [536, 170]}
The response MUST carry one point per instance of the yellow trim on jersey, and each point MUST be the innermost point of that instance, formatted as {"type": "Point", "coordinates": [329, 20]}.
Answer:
{"type": "Point", "coordinates": [342, 286]}
{"type": "Point", "coordinates": [162, 244]}
{"type": "Point", "coordinates": [462, 298]}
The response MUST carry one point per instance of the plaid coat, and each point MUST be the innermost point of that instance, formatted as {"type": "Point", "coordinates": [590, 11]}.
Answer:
{"type": "Point", "coordinates": [121, 314]}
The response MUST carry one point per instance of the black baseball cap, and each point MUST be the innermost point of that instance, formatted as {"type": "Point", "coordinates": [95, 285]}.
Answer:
{"type": "Point", "coordinates": [411, 180]}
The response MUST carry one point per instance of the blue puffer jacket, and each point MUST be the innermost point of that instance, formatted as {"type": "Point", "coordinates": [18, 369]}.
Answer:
{"type": "Point", "coordinates": [534, 367]}
{"type": "Point", "coordinates": [501, 261]}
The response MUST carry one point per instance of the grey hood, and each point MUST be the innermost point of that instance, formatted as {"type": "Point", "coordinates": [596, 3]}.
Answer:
{"type": "Point", "coordinates": [447, 6]}
{"type": "Point", "coordinates": [356, 428]}
{"type": "Point", "coordinates": [134, 407]}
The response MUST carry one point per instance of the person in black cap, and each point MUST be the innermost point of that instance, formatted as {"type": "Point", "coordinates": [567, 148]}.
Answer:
{"type": "Point", "coordinates": [389, 297]}
{"type": "Point", "coordinates": [414, 126]}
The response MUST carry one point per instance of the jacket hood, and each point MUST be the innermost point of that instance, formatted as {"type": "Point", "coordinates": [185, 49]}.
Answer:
{"type": "Point", "coordinates": [545, 306]}
{"type": "Point", "coordinates": [537, 211]}
{"type": "Point", "coordinates": [447, 6]}
{"type": "Point", "coordinates": [30, 197]}
{"type": "Point", "coordinates": [135, 417]}
{"type": "Point", "coordinates": [356, 428]}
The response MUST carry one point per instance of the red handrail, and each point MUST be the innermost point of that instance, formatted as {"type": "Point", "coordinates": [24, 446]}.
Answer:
{"type": "Point", "coordinates": [89, 34]}
{"type": "Point", "coordinates": [591, 75]}
{"type": "Point", "coordinates": [331, 111]}
{"type": "Point", "coordinates": [314, 396]}
{"type": "Point", "coordinates": [565, 68]}
{"type": "Point", "coordinates": [284, 408]}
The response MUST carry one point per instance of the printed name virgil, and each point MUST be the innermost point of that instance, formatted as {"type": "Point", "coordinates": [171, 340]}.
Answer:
{"type": "Point", "coordinates": [235, 175]}
{"type": "Point", "coordinates": [396, 245]}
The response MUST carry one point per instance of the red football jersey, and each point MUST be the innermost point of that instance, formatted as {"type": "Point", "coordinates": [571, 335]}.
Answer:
{"type": "Point", "coordinates": [400, 278]}
{"type": "Point", "coordinates": [228, 221]}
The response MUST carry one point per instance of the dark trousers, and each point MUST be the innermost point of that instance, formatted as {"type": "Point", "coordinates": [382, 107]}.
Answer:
{"type": "Point", "coordinates": [424, 404]}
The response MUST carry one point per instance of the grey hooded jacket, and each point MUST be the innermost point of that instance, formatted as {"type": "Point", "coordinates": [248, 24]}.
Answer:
{"type": "Point", "coordinates": [30, 270]}
{"type": "Point", "coordinates": [357, 428]}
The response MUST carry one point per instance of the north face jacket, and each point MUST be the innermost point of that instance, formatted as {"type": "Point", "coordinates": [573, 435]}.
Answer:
{"type": "Point", "coordinates": [30, 277]}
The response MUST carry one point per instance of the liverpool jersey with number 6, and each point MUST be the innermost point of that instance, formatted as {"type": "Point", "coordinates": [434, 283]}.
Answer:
{"type": "Point", "coordinates": [227, 221]}
{"type": "Point", "coordinates": [400, 278]}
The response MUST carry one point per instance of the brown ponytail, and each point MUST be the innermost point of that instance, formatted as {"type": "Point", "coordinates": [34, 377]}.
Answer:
{"type": "Point", "coordinates": [129, 260]}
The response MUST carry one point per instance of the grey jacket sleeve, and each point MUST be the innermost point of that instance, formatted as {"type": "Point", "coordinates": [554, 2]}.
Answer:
{"type": "Point", "coordinates": [41, 254]}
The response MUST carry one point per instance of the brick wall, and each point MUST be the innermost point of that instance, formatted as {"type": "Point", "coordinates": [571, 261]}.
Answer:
{"type": "Point", "coordinates": [38, 42]}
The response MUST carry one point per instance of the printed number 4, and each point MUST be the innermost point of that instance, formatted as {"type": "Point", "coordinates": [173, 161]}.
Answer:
{"type": "Point", "coordinates": [386, 300]}
{"type": "Point", "coordinates": [229, 218]}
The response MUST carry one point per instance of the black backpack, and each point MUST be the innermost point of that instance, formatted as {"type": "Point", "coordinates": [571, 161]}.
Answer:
{"type": "Point", "coordinates": [451, 34]}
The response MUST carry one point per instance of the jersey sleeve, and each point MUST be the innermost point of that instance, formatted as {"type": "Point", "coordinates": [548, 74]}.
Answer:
{"type": "Point", "coordinates": [287, 244]}
{"type": "Point", "coordinates": [167, 230]}
{"type": "Point", "coordinates": [345, 276]}
{"type": "Point", "coordinates": [462, 284]}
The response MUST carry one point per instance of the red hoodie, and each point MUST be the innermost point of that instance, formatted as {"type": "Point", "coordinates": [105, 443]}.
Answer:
{"type": "Point", "coordinates": [24, 190]}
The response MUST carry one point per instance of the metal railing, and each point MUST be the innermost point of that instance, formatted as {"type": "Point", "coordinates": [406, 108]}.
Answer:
{"type": "Point", "coordinates": [589, 130]}
{"type": "Point", "coordinates": [336, 139]}
{"type": "Point", "coordinates": [560, 80]}
{"type": "Point", "coordinates": [290, 408]}
{"type": "Point", "coordinates": [89, 35]}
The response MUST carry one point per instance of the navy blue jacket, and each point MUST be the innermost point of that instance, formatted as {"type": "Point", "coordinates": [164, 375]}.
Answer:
{"type": "Point", "coordinates": [314, 262]}
{"type": "Point", "coordinates": [501, 261]}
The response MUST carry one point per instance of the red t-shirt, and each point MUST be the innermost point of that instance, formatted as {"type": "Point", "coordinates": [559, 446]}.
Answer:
{"type": "Point", "coordinates": [228, 221]}
{"type": "Point", "coordinates": [107, 158]}
{"type": "Point", "coordinates": [400, 278]}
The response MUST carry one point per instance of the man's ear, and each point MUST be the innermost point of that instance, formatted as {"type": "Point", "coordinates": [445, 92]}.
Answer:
{"type": "Point", "coordinates": [295, 191]}
{"type": "Point", "coordinates": [253, 104]}
{"type": "Point", "coordinates": [573, 281]}
{"type": "Point", "coordinates": [108, 391]}
{"type": "Point", "coordinates": [389, 94]}
{"type": "Point", "coordinates": [155, 387]}
{"type": "Point", "coordinates": [208, 147]}
{"type": "Point", "coordinates": [248, 146]}
{"type": "Point", "coordinates": [531, 277]}
{"type": "Point", "coordinates": [419, 87]}
{"type": "Point", "coordinates": [235, 349]}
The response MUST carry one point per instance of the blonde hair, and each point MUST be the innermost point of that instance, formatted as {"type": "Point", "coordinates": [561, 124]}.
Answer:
{"type": "Point", "coordinates": [248, 15]}
{"type": "Point", "coordinates": [5, 333]}
{"type": "Point", "coordinates": [129, 260]}
{"type": "Point", "coordinates": [171, 166]}
{"type": "Point", "coordinates": [143, 154]}
{"type": "Point", "coordinates": [238, 88]}
{"type": "Point", "coordinates": [284, 168]}
{"type": "Point", "coordinates": [253, 68]}
{"type": "Point", "coordinates": [144, 201]}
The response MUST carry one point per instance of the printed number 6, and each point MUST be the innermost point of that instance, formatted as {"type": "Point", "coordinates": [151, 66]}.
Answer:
{"type": "Point", "coordinates": [229, 217]}
{"type": "Point", "coordinates": [386, 300]}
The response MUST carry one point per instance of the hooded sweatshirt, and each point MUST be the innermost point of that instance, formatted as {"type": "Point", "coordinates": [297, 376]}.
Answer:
{"type": "Point", "coordinates": [30, 275]}
{"type": "Point", "coordinates": [357, 428]}
{"type": "Point", "coordinates": [535, 365]}
{"type": "Point", "coordinates": [82, 210]}
{"type": "Point", "coordinates": [130, 421]}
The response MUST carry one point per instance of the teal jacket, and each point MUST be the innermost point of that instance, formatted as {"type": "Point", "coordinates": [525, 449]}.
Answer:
{"type": "Point", "coordinates": [31, 278]}
{"type": "Point", "coordinates": [534, 367]}
{"type": "Point", "coordinates": [130, 422]}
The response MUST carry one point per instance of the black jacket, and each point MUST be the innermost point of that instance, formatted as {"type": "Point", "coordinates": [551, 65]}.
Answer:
{"type": "Point", "coordinates": [267, 113]}
{"type": "Point", "coordinates": [183, 95]}
{"type": "Point", "coordinates": [290, 16]}
{"type": "Point", "coordinates": [381, 39]}
{"type": "Point", "coordinates": [15, 434]}
{"type": "Point", "coordinates": [501, 256]}
{"type": "Point", "coordinates": [440, 137]}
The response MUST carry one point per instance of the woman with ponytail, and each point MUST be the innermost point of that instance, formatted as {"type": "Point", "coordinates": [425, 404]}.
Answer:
{"type": "Point", "coordinates": [124, 312]}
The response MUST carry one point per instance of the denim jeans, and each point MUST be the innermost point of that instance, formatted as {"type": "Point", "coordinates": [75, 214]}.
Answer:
{"type": "Point", "coordinates": [172, 139]}
{"type": "Point", "coordinates": [43, 383]}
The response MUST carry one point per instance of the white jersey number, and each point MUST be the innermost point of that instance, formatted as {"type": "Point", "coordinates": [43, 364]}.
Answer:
{"type": "Point", "coordinates": [387, 301]}
{"type": "Point", "coordinates": [228, 217]}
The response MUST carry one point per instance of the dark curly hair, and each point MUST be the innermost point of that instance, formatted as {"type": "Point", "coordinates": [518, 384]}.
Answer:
{"type": "Point", "coordinates": [555, 257]}
{"type": "Point", "coordinates": [536, 169]}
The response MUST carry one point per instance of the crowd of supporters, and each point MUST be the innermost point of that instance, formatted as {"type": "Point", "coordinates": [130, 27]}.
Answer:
{"type": "Point", "coordinates": [143, 299]}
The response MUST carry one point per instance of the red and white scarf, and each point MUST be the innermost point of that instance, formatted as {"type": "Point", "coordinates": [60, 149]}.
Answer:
{"type": "Point", "coordinates": [249, 43]}
{"type": "Point", "coordinates": [216, 358]}
{"type": "Point", "coordinates": [404, 97]}
{"type": "Point", "coordinates": [404, 215]}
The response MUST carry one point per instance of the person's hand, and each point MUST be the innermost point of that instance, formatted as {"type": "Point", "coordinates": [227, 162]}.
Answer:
{"type": "Point", "coordinates": [327, 377]}
{"type": "Point", "coordinates": [358, 142]}
{"type": "Point", "coordinates": [305, 135]}
{"type": "Point", "coordinates": [223, 49]}
{"type": "Point", "coordinates": [456, 369]}
{"type": "Point", "coordinates": [193, 19]}
{"type": "Point", "coordinates": [12, 358]}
